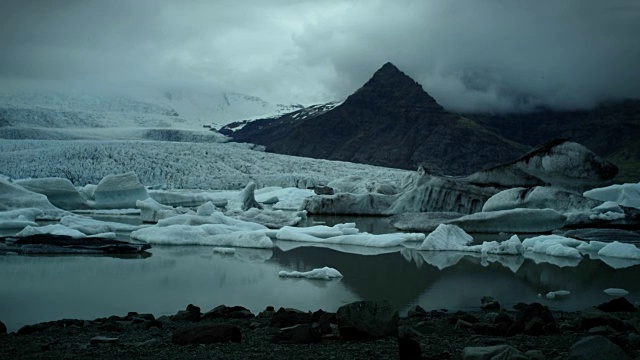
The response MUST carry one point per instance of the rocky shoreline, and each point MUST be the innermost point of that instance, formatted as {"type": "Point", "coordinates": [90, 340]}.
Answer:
{"type": "Point", "coordinates": [360, 330]}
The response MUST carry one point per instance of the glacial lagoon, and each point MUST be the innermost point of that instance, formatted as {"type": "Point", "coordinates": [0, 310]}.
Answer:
{"type": "Point", "coordinates": [42, 288]}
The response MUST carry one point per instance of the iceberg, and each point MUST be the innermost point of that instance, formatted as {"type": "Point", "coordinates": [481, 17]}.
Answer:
{"type": "Point", "coordinates": [60, 192]}
{"type": "Point", "coordinates": [273, 219]}
{"type": "Point", "coordinates": [423, 222]}
{"type": "Point", "coordinates": [289, 245]}
{"type": "Point", "coordinates": [360, 185]}
{"type": "Point", "coordinates": [345, 234]}
{"type": "Point", "coordinates": [287, 198]}
{"type": "Point", "coordinates": [513, 246]}
{"type": "Point", "coordinates": [325, 273]}
{"type": "Point", "coordinates": [152, 211]}
{"type": "Point", "coordinates": [118, 192]}
{"type": "Point", "coordinates": [59, 229]}
{"type": "Point", "coordinates": [616, 292]}
{"type": "Point", "coordinates": [557, 293]}
{"type": "Point", "coordinates": [91, 226]}
{"type": "Point", "coordinates": [553, 245]}
{"type": "Point", "coordinates": [217, 218]}
{"type": "Point", "coordinates": [620, 250]}
{"type": "Point", "coordinates": [185, 198]}
{"type": "Point", "coordinates": [208, 234]}
{"type": "Point", "coordinates": [247, 197]}
{"type": "Point", "coordinates": [511, 221]}
{"type": "Point", "coordinates": [540, 197]}
{"type": "Point", "coordinates": [622, 194]}
{"type": "Point", "coordinates": [446, 237]}
{"type": "Point", "coordinates": [19, 218]}
{"type": "Point", "coordinates": [14, 197]}
{"type": "Point", "coordinates": [348, 204]}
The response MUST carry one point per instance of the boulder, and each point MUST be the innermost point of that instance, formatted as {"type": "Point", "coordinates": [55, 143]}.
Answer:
{"type": "Point", "coordinates": [298, 334]}
{"type": "Point", "coordinates": [533, 319]}
{"type": "Point", "coordinates": [288, 317]}
{"type": "Point", "coordinates": [596, 347]}
{"type": "Point", "coordinates": [408, 348]}
{"type": "Point", "coordinates": [489, 303]}
{"type": "Point", "coordinates": [3, 328]}
{"type": "Point", "coordinates": [416, 311]}
{"type": "Point", "coordinates": [365, 320]}
{"type": "Point", "coordinates": [228, 312]}
{"type": "Point", "coordinates": [617, 305]}
{"type": "Point", "coordinates": [207, 334]}
{"type": "Point", "coordinates": [192, 314]}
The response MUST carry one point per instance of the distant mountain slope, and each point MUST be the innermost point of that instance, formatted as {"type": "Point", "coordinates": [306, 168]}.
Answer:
{"type": "Point", "coordinates": [611, 130]}
{"type": "Point", "coordinates": [390, 121]}
{"type": "Point", "coordinates": [177, 108]}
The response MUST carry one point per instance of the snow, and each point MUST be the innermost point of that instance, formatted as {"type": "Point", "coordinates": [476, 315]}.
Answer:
{"type": "Point", "coordinates": [616, 292]}
{"type": "Point", "coordinates": [620, 250]}
{"type": "Point", "coordinates": [622, 194]}
{"type": "Point", "coordinates": [325, 273]}
{"type": "Point", "coordinates": [344, 234]}
{"type": "Point", "coordinates": [224, 250]}
{"type": "Point", "coordinates": [19, 218]}
{"type": "Point", "coordinates": [207, 234]}
{"type": "Point", "coordinates": [119, 192]}
{"type": "Point", "coordinates": [59, 229]}
{"type": "Point", "coordinates": [512, 221]}
{"type": "Point", "coordinates": [15, 197]}
{"type": "Point", "coordinates": [446, 237]}
{"type": "Point", "coordinates": [59, 191]}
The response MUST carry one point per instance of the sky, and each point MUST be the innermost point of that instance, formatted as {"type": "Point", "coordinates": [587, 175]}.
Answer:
{"type": "Point", "coordinates": [470, 55]}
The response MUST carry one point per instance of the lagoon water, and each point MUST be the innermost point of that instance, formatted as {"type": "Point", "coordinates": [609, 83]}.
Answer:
{"type": "Point", "coordinates": [42, 288]}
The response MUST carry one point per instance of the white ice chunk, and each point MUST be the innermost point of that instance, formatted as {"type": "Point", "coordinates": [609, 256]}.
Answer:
{"type": "Point", "coordinates": [206, 209]}
{"type": "Point", "coordinates": [446, 237]}
{"type": "Point", "coordinates": [19, 218]}
{"type": "Point", "coordinates": [333, 235]}
{"type": "Point", "coordinates": [289, 245]}
{"type": "Point", "coordinates": [557, 293]}
{"type": "Point", "coordinates": [325, 273]}
{"type": "Point", "coordinates": [553, 245]}
{"type": "Point", "coordinates": [608, 216]}
{"type": "Point", "coordinates": [153, 211]}
{"type": "Point", "coordinates": [273, 219]}
{"type": "Point", "coordinates": [616, 292]}
{"type": "Point", "coordinates": [224, 250]}
{"type": "Point", "coordinates": [592, 245]}
{"type": "Point", "coordinates": [621, 194]}
{"type": "Point", "coordinates": [119, 192]}
{"type": "Point", "coordinates": [513, 246]}
{"type": "Point", "coordinates": [608, 206]}
{"type": "Point", "coordinates": [187, 198]}
{"type": "Point", "coordinates": [91, 226]}
{"type": "Point", "coordinates": [287, 198]}
{"type": "Point", "coordinates": [59, 229]}
{"type": "Point", "coordinates": [620, 250]}
{"type": "Point", "coordinates": [209, 234]}
{"type": "Point", "coordinates": [215, 218]}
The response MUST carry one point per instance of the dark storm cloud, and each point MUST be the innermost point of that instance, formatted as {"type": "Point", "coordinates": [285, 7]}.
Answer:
{"type": "Point", "coordinates": [490, 55]}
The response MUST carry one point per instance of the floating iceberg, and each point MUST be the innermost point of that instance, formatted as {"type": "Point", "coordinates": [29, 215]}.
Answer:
{"type": "Point", "coordinates": [540, 197]}
{"type": "Point", "coordinates": [553, 245]}
{"type": "Point", "coordinates": [60, 192]}
{"type": "Point", "coordinates": [344, 234]}
{"type": "Point", "coordinates": [616, 292]}
{"type": "Point", "coordinates": [19, 218]}
{"type": "Point", "coordinates": [91, 226]}
{"type": "Point", "coordinates": [118, 192]}
{"type": "Point", "coordinates": [59, 229]}
{"type": "Point", "coordinates": [511, 221]}
{"type": "Point", "coordinates": [620, 250]}
{"type": "Point", "coordinates": [208, 234]}
{"type": "Point", "coordinates": [14, 197]}
{"type": "Point", "coordinates": [622, 194]}
{"type": "Point", "coordinates": [186, 198]}
{"type": "Point", "coordinates": [273, 219]}
{"type": "Point", "coordinates": [513, 246]}
{"type": "Point", "coordinates": [153, 211]}
{"type": "Point", "coordinates": [287, 198]}
{"type": "Point", "coordinates": [325, 273]}
{"type": "Point", "coordinates": [348, 204]}
{"type": "Point", "coordinates": [446, 237]}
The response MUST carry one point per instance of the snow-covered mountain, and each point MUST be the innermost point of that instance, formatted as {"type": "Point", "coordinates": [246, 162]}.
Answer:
{"type": "Point", "coordinates": [175, 108]}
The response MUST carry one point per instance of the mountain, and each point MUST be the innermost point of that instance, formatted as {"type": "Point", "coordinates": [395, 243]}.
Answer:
{"type": "Point", "coordinates": [390, 121]}
{"type": "Point", "coordinates": [612, 130]}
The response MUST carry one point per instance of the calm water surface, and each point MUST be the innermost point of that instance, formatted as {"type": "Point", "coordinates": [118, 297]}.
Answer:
{"type": "Point", "coordinates": [42, 288]}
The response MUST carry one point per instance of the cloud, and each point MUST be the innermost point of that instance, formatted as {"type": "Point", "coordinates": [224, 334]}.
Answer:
{"type": "Point", "coordinates": [494, 55]}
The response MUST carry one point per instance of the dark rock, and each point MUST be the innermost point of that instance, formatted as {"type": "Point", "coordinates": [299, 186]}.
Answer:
{"type": "Point", "coordinates": [97, 340]}
{"type": "Point", "coordinates": [146, 317]}
{"type": "Point", "coordinates": [153, 323]}
{"type": "Point", "coordinates": [323, 327]}
{"type": "Point", "coordinates": [416, 311]}
{"type": "Point", "coordinates": [489, 303]}
{"type": "Point", "coordinates": [485, 329]}
{"type": "Point", "coordinates": [593, 317]}
{"type": "Point", "coordinates": [328, 317]}
{"type": "Point", "coordinates": [408, 348]}
{"type": "Point", "coordinates": [323, 190]}
{"type": "Point", "coordinates": [364, 320]}
{"type": "Point", "coordinates": [30, 329]}
{"type": "Point", "coordinates": [469, 318]}
{"type": "Point", "coordinates": [228, 312]}
{"type": "Point", "coordinates": [3, 328]}
{"type": "Point", "coordinates": [111, 326]}
{"type": "Point", "coordinates": [298, 334]}
{"type": "Point", "coordinates": [207, 334]}
{"type": "Point", "coordinates": [503, 318]}
{"type": "Point", "coordinates": [192, 314]}
{"type": "Point", "coordinates": [617, 305]}
{"type": "Point", "coordinates": [596, 347]}
{"type": "Point", "coordinates": [316, 315]}
{"type": "Point", "coordinates": [531, 320]}
{"type": "Point", "coordinates": [288, 317]}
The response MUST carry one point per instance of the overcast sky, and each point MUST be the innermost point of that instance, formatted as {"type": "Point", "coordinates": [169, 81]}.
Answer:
{"type": "Point", "coordinates": [489, 55]}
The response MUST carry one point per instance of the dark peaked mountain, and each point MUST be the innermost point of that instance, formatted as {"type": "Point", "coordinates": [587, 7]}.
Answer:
{"type": "Point", "coordinates": [390, 121]}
